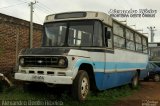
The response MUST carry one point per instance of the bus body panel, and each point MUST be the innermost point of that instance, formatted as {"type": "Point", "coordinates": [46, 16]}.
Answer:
{"type": "Point", "coordinates": [117, 79]}
{"type": "Point", "coordinates": [119, 69]}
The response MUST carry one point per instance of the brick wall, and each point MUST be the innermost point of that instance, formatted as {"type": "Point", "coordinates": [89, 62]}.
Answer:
{"type": "Point", "coordinates": [10, 28]}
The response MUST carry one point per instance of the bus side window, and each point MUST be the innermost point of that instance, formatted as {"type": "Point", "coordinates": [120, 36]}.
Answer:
{"type": "Point", "coordinates": [108, 37]}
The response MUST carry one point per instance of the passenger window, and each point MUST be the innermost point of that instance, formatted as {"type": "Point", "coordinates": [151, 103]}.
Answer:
{"type": "Point", "coordinates": [118, 30]}
{"type": "Point", "coordinates": [144, 42]}
{"type": "Point", "coordinates": [138, 38]}
{"type": "Point", "coordinates": [119, 41]}
{"type": "Point", "coordinates": [138, 43]}
{"type": "Point", "coordinates": [129, 35]}
{"type": "Point", "coordinates": [130, 40]}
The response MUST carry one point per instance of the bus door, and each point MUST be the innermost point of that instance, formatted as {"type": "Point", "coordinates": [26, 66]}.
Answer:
{"type": "Point", "coordinates": [110, 76]}
{"type": "Point", "coordinates": [97, 55]}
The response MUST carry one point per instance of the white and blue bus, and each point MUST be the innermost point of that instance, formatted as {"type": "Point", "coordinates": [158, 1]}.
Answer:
{"type": "Point", "coordinates": [86, 50]}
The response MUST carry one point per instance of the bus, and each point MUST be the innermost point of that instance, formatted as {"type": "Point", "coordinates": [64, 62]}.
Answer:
{"type": "Point", "coordinates": [87, 50]}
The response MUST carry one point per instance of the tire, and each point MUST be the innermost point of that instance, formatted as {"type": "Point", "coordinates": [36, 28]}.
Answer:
{"type": "Point", "coordinates": [81, 86]}
{"type": "Point", "coordinates": [135, 81]}
{"type": "Point", "coordinates": [156, 78]}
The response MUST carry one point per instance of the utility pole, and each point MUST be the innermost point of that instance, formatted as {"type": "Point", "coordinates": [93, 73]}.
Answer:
{"type": "Point", "coordinates": [31, 24]}
{"type": "Point", "coordinates": [152, 29]}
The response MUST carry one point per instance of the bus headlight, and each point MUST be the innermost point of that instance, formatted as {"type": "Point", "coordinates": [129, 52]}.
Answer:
{"type": "Point", "coordinates": [21, 61]}
{"type": "Point", "coordinates": [63, 62]}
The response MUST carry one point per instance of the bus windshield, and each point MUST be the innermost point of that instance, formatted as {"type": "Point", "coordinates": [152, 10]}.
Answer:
{"type": "Point", "coordinates": [74, 33]}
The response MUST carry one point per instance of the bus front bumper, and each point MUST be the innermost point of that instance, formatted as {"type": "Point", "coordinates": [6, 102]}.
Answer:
{"type": "Point", "coordinates": [44, 78]}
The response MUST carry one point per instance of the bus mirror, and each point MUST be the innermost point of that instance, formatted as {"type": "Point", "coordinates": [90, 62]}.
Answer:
{"type": "Point", "coordinates": [107, 33]}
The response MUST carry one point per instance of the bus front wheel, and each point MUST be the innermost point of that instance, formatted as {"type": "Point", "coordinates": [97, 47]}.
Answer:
{"type": "Point", "coordinates": [81, 86]}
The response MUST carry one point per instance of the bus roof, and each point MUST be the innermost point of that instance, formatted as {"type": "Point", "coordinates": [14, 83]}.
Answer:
{"type": "Point", "coordinates": [79, 16]}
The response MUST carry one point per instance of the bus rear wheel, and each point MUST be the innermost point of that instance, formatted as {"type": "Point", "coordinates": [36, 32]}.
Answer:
{"type": "Point", "coordinates": [81, 86]}
{"type": "Point", "coordinates": [135, 81]}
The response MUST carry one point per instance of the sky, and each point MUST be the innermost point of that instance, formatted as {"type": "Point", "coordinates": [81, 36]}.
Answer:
{"type": "Point", "coordinates": [21, 9]}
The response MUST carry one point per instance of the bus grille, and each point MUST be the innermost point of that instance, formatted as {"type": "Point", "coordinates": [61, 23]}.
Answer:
{"type": "Point", "coordinates": [35, 61]}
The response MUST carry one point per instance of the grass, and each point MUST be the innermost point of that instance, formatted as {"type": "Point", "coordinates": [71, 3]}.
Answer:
{"type": "Point", "coordinates": [50, 96]}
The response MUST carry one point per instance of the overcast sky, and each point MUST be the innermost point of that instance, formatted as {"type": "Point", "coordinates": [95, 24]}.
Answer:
{"type": "Point", "coordinates": [20, 9]}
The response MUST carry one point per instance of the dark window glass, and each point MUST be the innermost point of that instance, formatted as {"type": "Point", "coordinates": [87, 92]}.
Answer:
{"type": "Point", "coordinates": [110, 40]}
{"type": "Point", "coordinates": [130, 45]}
{"type": "Point", "coordinates": [138, 47]}
{"type": "Point", "coordinates": [54, 34]}
{"type": "Point", "coordinates": [144, 41]}
{"type": "Point", "coordinates": [119, 41]}
{"type": "Point", "coordinates": [129, 35]}
{"type": "Point", "coordinates": [138, 38]}
{"type": "Point", "coordinates": [80, 33]}
{"type": "Point", "coordinates": [118, 30]}
{"type": "Point", "coordinates": [70, 15]}
{"type": "Point", "coordinates": [97, 37]}
{"type": "Point", "coordinates": [130, 40]}
{"type": "Point", "coordinates": [145, 49]}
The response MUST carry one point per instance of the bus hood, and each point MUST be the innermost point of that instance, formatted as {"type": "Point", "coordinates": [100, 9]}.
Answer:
{"type": "Point", "coordinates": [44, 51]}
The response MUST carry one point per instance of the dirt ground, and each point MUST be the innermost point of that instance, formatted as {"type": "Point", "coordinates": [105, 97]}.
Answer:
{"type": "Point", "coordinates": [147, 95]}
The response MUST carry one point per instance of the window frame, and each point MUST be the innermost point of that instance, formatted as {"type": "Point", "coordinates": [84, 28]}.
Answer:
{"type": "Point", "coordinates": [145, 45]}
{"type": "Point", "coordinates": [130, 39]}
{"type": "Point", "coordinates": [119, 35]}
{"type": "Point", "coordinates": [111, 27]}
{"type": "Point", "coordinates": [67, 33]}
{"type": "Point", "coordinates": [134, 39]}
{"type": "Point", "coordinates": [136, 42]}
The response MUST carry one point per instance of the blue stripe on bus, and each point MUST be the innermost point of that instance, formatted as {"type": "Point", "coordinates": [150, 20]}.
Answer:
{"type": "Point", "coordinates": [114, 65]}
{"type": "Point", "coordinates": [118, 65]}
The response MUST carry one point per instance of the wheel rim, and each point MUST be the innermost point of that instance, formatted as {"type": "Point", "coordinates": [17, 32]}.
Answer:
{"type": "Point", "coordinates": [84, 87]}
{"type": "Point", "coordinates": [156, 78]}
